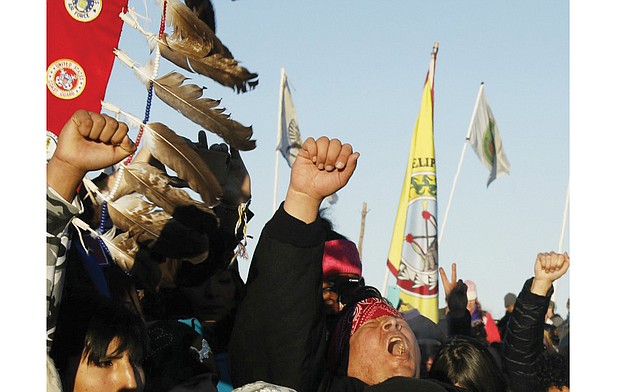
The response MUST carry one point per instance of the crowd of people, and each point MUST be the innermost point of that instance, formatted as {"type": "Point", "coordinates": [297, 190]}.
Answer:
{"type": "Point", "coordinates": [304, 320]}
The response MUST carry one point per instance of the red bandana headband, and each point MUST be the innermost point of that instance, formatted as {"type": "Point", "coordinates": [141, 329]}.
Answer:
{"type": "Point", "coordinates": [371, 308]}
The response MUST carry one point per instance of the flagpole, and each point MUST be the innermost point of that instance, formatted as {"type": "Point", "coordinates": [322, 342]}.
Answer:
{"type": "Point", "coordinates": [362, 229]}
{"type": "Point", "coordinates": [562, 233]}
{"type": "Point", "coordinates": [458, 169]}
{"type": "Point", "coordinates": [279, 129]}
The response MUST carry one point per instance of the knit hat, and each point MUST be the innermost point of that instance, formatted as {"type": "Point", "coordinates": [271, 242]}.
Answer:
{"type": "Point", "coordinates": [472, 293]}
{"type": "Point", "coordinates": [509, 300]}
{"type": "Point", "coordinates": [341, 257]}
{"type": "Point", "coordinates": [371, 308]}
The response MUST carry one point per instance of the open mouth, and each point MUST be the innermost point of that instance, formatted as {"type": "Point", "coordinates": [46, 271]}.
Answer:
{"type": "Point", "coordinates": [396, 346]}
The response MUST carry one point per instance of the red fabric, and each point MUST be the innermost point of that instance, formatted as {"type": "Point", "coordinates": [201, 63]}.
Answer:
{"type": "Point", "coordinates": [491, 329]}
{"type": "Point", "coordinates": [80, 53]}
{"type": "Point", "coordinates": [371, 308]}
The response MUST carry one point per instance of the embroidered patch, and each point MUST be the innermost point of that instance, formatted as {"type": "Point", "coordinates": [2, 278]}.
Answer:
{"type": "Point", "coordinates": [66, 79]}
{"type": "Point", "coordinates": [83, 10]}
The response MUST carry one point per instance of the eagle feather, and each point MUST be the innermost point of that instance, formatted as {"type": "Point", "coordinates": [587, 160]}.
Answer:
{"type": "Point", "coordinates": [174, 152]}
{"type": "Point", "coordinates": [134, 214]}
{"type": "Point", "coordinates": [156, 186]}
{"type": "Point", "coordinates": [194, 47]}
{"type": "Point", "coordinates": [187, 99]}
{"type": "Point", "coordinates": [123, 247]}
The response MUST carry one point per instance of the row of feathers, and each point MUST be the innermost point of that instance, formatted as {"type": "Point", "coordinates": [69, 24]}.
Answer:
{"type": "Point", "coordinates": [147, 207]}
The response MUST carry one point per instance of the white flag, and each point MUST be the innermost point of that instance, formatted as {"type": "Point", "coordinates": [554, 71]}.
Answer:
{"type": "Point", "coordinates": [485, 140]}
{"type": "Point", "coordinates": [289, 138]}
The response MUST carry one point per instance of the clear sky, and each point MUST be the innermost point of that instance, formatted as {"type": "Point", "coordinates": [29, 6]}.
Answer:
{"type": "Point", "coordinates": [357, 70]}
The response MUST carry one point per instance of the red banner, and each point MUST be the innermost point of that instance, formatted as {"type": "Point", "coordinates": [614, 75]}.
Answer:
{"type": "Point", "coordinates": [81, 37]}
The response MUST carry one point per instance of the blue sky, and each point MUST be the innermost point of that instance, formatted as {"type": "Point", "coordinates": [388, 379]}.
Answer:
{"type": "Point", "coordinates": [357, 70]}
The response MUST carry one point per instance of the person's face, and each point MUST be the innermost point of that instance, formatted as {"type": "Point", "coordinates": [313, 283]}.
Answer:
{"type": "Point", "coordinates": [330, 300]}
{"type": "Point", "coordinates": [216, 300]}
{"type": "Point", "coordinates": [382, 348]}
{"type": "Point", "coordinates": [471, 305]}
{"type": "Point", "coordinates": [114, 373]}
{"type": "Point", "coordinates": [332, 291]}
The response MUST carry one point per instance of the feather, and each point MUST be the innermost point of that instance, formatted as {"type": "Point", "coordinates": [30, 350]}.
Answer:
{"type": "Point", "coordinates": [175, 241]}
{"type": "Point", "coordinates": [156, 186]}
{"type": "Point", "coordinates": [186, 24]}
{"type": "Point", "coordinates": [187, 100]}
{"type": "Point", "coordinates": [131, 213]}
{"type": "Point", "coordinates": [105, 184]}
{"type": "Point", "coordinates": [226, 71]}
{"type": "Point", "coordinates": [202, 111]}
{"type": "Point", "coordinates": [204, 10]}
{"type": "Point", "coordinates": [93, 194]}
{"type": "Point", "coordinates": [166, 235]}
{"type": "Point", "coordinates": [175, 153]}
{"type": "Point", "coordinates": [194, 46]}
{"type": "Point", "coordinates": [122, 247]}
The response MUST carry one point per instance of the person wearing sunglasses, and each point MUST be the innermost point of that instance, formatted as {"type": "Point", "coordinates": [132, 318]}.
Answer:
{"type": "Point", "coordinates": [342, 273]}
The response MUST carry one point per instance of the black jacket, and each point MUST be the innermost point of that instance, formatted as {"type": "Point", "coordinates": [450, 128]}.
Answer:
{"type": "Point", "coordinates": [523, 342]}
{"type": "Point", "coordinates": [279, 334]}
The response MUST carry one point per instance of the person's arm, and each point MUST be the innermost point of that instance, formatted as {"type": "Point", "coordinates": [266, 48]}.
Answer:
{"type": "Point", "coordinates": [458, 318]}
{"type": "Point", "coordinates": [523, 342]}
{"type": "Point", "coordinates": [279, 332]}
{"type": "Point", "coordinates": [88, 141]}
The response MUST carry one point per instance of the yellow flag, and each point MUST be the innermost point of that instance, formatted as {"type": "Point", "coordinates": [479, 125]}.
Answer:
{"type": "Point", "coordinates": [413, 255]}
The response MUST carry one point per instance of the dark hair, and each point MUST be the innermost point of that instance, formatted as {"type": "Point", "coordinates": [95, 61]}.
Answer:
{"type": "Point", "coordinates": [114, 320]}
{"type": "Point", "coordinates": [552, 369]}
{"type": "Point", "coordinates": [465, 361]}
{"type": "Point", "coordinates": [328, 226]}
{"type": "Point", "coordinates": [326, 222]}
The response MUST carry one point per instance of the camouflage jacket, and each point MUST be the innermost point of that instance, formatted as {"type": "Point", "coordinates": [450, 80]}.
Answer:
{"type": "Point", "coordinates": [59, 214]}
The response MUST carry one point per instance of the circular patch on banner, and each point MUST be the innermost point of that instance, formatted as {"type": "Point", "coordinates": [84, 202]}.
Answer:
{"type": "Point", "coordinates": [50, 144]}
{"type": "Point", "coordinates": [83, 10]}
{"type": "Point", "coordinates": [66, 79]}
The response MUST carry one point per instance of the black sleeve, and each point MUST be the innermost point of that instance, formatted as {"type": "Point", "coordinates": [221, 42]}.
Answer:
{"type": "Point", "coordinates": [279, 331]}
{"type": "Point", "coordinates": [458, 317]}
{"type": "Point", "coordinates": [523, 342]}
